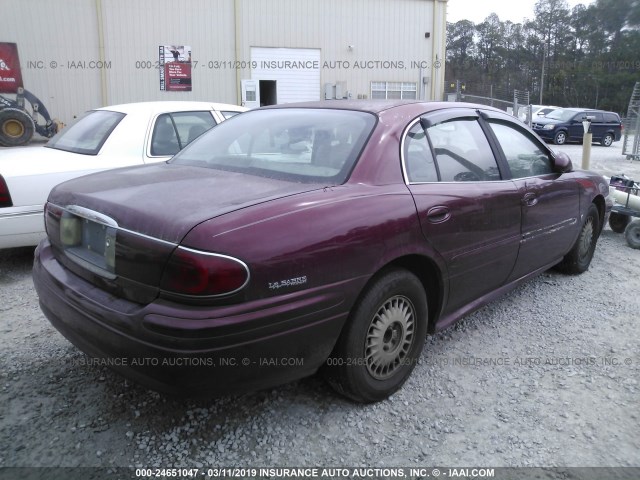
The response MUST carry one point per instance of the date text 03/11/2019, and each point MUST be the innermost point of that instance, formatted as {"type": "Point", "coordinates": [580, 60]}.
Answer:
{"type": "Point", "coordinates": [297, 64]}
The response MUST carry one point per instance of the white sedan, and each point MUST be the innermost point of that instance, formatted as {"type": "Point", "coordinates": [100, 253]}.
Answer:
{"type": "Point", "coordinates": [110, 137]}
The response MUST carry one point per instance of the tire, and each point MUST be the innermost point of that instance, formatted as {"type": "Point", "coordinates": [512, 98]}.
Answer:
{"type": "Point", "coordinates": [579, 257]}
{"type": "Point", "coordinates": [392, 315]}
{"type": "Point", "coordinates": [607, 140]}
{"type": "Point", "coordinates": [632, 234]}
{"type": "Point", "coordinates": [16, 127]}
{"type": "Point", "coordinates": [618, 222]}
{"type": "Point", "coordinates": [560, 138]}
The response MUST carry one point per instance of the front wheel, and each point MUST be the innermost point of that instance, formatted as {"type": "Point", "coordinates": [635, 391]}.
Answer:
{"type": "Point", "coordinates": [560, 138]}
{"type": "Point", "coordinates": [579, 257]}
{"type": "Point", "coordinates": [382, 340]}
{"type": "Point", "coordinates": [16, 127]}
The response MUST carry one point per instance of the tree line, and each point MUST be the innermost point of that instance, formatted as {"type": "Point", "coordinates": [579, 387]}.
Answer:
{"type": "Point", "coordinates": [590, 55]}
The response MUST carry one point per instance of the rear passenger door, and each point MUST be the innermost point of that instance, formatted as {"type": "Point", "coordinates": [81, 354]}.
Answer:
{"type": "Point", "coordinates": [468, 213]}
{"type": "Point", "coordinates": [612, 124]}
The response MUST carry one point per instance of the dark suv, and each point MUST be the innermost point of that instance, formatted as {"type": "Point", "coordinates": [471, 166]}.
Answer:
{"type": "Point", "coordinates": [565, 125]}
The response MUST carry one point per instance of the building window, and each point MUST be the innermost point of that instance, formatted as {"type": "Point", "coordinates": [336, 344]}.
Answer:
{"type": "Point", "coordinates": [394, 90]}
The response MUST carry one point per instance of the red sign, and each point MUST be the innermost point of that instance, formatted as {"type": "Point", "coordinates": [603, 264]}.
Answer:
{"type": "Point", "coordinates": [10, 74]}
{"type": "Point", "coordinates": [177, 77]}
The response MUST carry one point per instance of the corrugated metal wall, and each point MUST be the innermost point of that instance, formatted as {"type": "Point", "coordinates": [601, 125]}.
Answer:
{"type": "Point", "coordinates": [62, 44]}
{"type": "Point", "coordinates": [49, 36]}
{"type": "Point", "coordinates": [379, 31]}
{"type": "Point", "coordinates": [135, 29]}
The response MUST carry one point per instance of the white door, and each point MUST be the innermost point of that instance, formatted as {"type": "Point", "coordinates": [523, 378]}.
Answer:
{"type": "Point", "coordinates": [250, 93]}
{"type": "Point", "coordinates": [296, 70]}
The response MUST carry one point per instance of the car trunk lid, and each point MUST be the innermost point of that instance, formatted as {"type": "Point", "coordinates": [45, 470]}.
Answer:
{"type": "Point", "coordinates": [165, 201]}
{"type": "Point", "coordinates": [118, 229]}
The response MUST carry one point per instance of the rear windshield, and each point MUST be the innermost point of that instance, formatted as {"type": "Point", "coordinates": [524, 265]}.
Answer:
{"type": "Point", "coordinates": [292, 144]}
{"type": "Point", "coordinates": [88, 134]}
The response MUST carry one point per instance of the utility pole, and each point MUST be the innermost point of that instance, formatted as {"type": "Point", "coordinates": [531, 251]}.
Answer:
{"type": "Point", "coordinates": [544, 58]}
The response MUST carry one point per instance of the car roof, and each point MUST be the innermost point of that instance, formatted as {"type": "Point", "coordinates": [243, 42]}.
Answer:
{"type": "Point", "coordinates": [378, 106]}
{"type": "Point", "coordinates": [170, 106]}
{"type": "Point", "coordinates": [578, 110]}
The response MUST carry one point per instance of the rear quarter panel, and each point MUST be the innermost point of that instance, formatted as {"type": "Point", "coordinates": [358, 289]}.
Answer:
{"type": "Point", "coordinates": [326, 237]}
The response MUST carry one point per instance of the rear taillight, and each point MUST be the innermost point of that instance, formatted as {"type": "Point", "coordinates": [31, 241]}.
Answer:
{"type": "Point", "coordinates": [5, 198]}
{"type": "Point", "coordinates": [195, 273]}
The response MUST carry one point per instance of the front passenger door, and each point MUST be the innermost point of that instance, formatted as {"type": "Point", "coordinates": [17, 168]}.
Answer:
{"type": "Point", "coordinates": [549, 200]}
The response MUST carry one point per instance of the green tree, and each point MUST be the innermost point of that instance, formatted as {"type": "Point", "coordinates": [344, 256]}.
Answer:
{"type": "Point", "coordinates": [590, 54]}
{"type": "Point", "coordinates": [460, 46]}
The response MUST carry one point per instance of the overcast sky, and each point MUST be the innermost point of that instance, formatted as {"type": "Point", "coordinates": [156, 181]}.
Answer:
{"type": "Point", "coordinates": [478, 10]}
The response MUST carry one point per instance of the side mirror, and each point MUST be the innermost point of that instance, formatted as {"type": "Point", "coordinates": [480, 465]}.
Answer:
{"type": "Point", "coordinates": [562, 163]}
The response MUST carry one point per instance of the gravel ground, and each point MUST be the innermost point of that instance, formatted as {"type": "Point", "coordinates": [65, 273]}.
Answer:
{"type": "Point", "coordinates": [547, 376]}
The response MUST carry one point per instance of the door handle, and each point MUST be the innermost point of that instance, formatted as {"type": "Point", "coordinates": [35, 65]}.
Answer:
{"type": "Point", "coordinates": [530, 199]}
{"type": "Point", "coordinates": [438, 214]}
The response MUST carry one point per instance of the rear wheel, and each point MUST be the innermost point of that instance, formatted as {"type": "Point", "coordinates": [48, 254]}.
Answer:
{"type": "Point", "coordinates": [560, 138]}
{"type": "Point", "coordinates": [16, 127]}
{"type": "Point", "coordinates": [382, 340]}
{"type": "Point", "coordinates": [607, 140]}
{"type": "Point", "coordinates": [632, 234]}
{"type": "Point", "coordinates": [579, 257]}
{"type": "Point", "coordinates": [618, 222]}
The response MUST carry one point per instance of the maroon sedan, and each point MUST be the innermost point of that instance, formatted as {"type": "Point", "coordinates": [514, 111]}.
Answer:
{"type": "Point", "coordinates": [331, 235]}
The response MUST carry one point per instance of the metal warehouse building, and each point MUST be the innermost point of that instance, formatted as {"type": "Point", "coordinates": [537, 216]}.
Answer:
{"type": "Point", "coordinates": [81, 54]}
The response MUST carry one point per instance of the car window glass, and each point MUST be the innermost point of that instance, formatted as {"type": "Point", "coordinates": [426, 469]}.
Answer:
{"type": "Point", "coordinates": [164, 141]}
{"type": "Point", "coordinates": [418, 158]}
{"type": "Point", "coordinates": [611, 118]}
{"type": "Point", "coordinates": [227, 114]}
{"type": "Point", "coordinates": [463, 152]}
{"type": "Point", "coordinates": [191, 125]}
{"type": "Point", "coordinates": [595, 117]}
{"type": "Point", "coordinates": [525, 157]}
{"type": "Point", "coordinates": [88, 134]}
{"type": "Point", "coordinates": [304, 145]}
{"type": "Point", "coordinates": [174, 131]}
{"type": "Point", "coordinates": [562, 115]}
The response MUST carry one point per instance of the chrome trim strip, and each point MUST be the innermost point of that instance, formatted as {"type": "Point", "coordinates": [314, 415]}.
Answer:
{"type": "Point", "coordinates": [91, 215]}
{"type": "Point", "coordinates": [404, 168]}
{"type": "Point", "coordinates": [107, 221]}
{"type": "Point", "coordinates": [402, 159]}
{"type": "Point", "coordinates": [19, 214]}
{"type": "Point", "coordinates": [148, 237]}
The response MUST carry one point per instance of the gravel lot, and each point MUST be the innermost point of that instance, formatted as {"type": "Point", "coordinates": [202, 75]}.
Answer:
{"type": "Point", "coordinates": [547, 376]}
